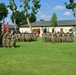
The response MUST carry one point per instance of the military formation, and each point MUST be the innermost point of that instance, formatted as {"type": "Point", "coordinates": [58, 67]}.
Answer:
{"type": "Point", "coordinates": [58, 37]}
{"type": "Point", "coordinates": [28, 37]}
{"type": "Point", "coordinates": [9, 40]}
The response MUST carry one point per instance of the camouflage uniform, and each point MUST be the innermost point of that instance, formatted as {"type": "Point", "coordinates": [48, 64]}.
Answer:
{"type": "Point", "coordinates": [72, 36]}
{"type": "Point", "coordinates": [53, 38]}
{"type": "Point", "coordinates": [58, 37]}
{"type": "Point", "coordinates": [18, 37]}
{"type": "Point", "coordinates": [23, 37]}
{"type": "Point", "coordinates": [13, 42]}
{"type": "Point", "coordinates": [4, 39]}
{"type": "Point", "coordinates": [27, 37]}
{"type": "Point", "coordinates": [8, 39]}
{"type": "Point", "coordinates": [68, 37]}
{"type": "Point", "coordinates": [63, 37]}
{"type": "Point", "coordinates": [43, 35]}
{"type": "Point", "coordinates": [34, 37]}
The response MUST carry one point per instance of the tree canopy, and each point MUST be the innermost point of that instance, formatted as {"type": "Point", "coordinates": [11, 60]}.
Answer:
{"type": "Point", "coordinates": [32, 18]}
{"type": "Point", "coordinates": [3, 11]}
{"type": "Point", "coordinates": [24, 16]}
{"type": "Point", "coordinates": [53, 20]}
{"type": "Point", "coordinates": [21, 18]}
{"type": "Point", "coordinates": [13, 7]}
{"type": "Point", "coordinates": [72, 5]}
{"type": "Point", "coordinates": [33, 8]}
{"type": "Point", "coordinates": [0, 27]}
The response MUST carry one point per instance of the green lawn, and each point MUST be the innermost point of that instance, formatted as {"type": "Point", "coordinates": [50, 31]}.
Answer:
{"type": "Point", "coordinates": [39, 58]}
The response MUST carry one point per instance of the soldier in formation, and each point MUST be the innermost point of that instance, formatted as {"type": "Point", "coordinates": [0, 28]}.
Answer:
{"type": "Point", "coordinates": [13, 40]}
{"type": "Point", "coordinates": [4, 38]}
{"type": "Point", "coordinates": [26, 37]}
{"type": "Point", "coordinates": [58, 37]}
{"type": "Point", "coordinates": [8, 40]}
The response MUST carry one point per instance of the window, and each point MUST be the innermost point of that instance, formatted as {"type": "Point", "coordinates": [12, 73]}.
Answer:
{"type": "Point", "coordinates": [53, 30]}
{"type": "Point", "coordinates": [61, 30]}
{"type": "Point", "coordinates": [45, 30]}
{"type": "Point", "coordinates": [70, 29]}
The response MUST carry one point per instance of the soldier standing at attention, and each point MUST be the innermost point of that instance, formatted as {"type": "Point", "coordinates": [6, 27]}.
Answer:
{"type": "Point", "coordinates": [53, 39]}
{"type": "Point", "coordinates": [58, 37]}
{"type": "Point", "coordinates": [8, 38]}
{"type": "Point", "coordinates": [13, 42]}
{"type": "Point", "coordinates": [4, 39]}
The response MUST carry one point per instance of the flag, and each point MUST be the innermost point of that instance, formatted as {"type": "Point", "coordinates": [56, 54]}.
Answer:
{"type": "Point", "coordinates": [7, 27]}
{"type": "Point", "coordinates": [3, 26]}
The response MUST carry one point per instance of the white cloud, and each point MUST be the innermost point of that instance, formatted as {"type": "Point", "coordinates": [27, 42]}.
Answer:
{"type": "Point", "coordinates": [45, 16]}
{"type": "Point", "coordinates": [67, 14]}
{"type": "Point", "coordinates": [59, 7]}
{"type": "Point", "coordinates": [40, 13]}
{"type": "Point", "coordinates": [9, 10]}
{"type": "Point", "coordinates": [45, 4]}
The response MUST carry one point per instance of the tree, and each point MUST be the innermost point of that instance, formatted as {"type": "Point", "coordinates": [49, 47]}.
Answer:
{"type": "Point", "coordinates": [3, 11]}
{"type": "Point", "coordinates": [53, 20]}
{"type": "Point", "coordinates": [21, 18]}
{"type": "Point", "coordinates": [13, 7]}
{"type": "Point", "coordinates": [32, 18]}
{"type": "Point", "coordinates": [0, 27]}
{"type": "Point", "coordinates": [33, 9]}
{"type": "Point", "coordinates": [72, 6]}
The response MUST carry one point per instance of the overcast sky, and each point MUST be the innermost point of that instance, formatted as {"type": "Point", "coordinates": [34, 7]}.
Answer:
{"type": "Point", "coordinates": [48, 7]}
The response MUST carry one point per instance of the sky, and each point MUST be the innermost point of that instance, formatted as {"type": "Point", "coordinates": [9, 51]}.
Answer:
{"type": "Point", "coordinates": [48, 7]}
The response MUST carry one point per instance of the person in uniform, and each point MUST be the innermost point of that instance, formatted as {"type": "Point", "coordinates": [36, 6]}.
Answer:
{"type": "Point", "coordinates": [53, 39]}
{"type": "Point", "coordinates": [57, 37]}
{"type": "Point", "coordinates": [8, 38]}
{"type": "Point", "coordinates": [13, 42]}
{"type": "Point", "coordinates": [4, 39]}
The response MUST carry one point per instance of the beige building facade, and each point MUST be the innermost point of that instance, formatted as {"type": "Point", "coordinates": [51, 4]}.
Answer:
{"type": "Point", "coordinates": [63, 26]}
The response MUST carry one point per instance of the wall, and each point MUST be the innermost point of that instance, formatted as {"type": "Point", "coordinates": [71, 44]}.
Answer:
{"type": "Point", "coordinates": [49, 29]}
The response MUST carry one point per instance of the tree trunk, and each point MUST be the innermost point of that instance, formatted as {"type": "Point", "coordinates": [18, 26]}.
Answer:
{"type": "Point", "coordinates": [74, 13]}
{"type": "Point", "coordinates": [75, 26]}
{"type": "Point", "coordinates": [29, 24]}
{"type": "Point", "coordinates": [15, 25]}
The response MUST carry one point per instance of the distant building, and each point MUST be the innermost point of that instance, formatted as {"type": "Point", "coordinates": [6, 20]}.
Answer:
{"type": "Point", "coordinates": [45, 26]}
{"type": "Point", "coordinates": [11, 27]}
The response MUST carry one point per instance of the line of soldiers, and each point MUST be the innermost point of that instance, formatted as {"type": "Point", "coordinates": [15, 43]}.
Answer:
{"type": "Point", "coordinates": [25, 37]}
{"type": "Point", "coordinates": [58, 37]}
{"type": "Point", "coordinates": [8, 40]}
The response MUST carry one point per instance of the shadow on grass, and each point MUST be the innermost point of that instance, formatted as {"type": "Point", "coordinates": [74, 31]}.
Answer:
{"type": "Point", "coordinates": [17, 46]}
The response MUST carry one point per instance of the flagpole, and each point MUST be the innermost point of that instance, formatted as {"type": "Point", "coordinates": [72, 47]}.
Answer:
{"type": "Point", "coordinates": [4, 23]}
{"type": "Point", "coordinates": [3, 26]}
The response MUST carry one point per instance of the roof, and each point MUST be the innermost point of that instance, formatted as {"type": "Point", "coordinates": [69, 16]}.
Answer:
{"type": "Point", "coordinates": [47, 23]}
{"type": "Point", "coordinates": [11, 26]}
{"type": "Point", "coordinates": [66, 22]}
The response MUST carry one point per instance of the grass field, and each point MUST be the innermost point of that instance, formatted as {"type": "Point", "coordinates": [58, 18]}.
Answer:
{"type": "Point", "coordinates": [39, 58]}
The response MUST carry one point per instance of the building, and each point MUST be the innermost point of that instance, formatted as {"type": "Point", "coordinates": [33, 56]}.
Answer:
{"type": "Point", "coordinates": [45, 26]}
